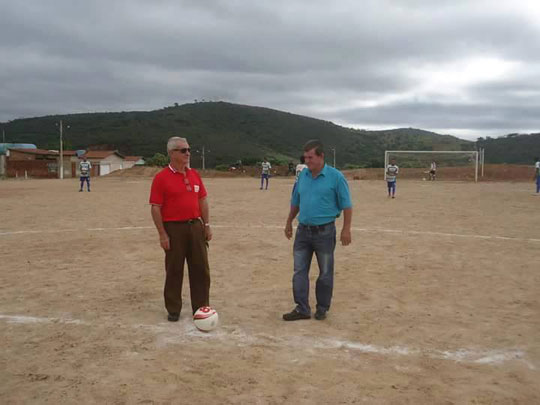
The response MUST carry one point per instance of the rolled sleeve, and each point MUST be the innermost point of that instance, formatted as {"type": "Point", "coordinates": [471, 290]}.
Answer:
{"type": "Point", "coordinates": [295, 198]}
{"type": "Point", "coordinates": [343, 194]}
{"type": "Point", "coordinates": [202, 191]}
{"type": "Point", "coordinates": [156, 192]}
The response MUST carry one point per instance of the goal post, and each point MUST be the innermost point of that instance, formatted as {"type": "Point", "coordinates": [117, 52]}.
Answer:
{"type": "Point", "coordinates": [423, 154]}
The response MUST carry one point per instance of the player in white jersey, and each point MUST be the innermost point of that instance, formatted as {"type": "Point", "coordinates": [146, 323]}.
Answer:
{"type": "Point", "coordinates": [537, 174]}
{"type": "Point", "coordinates": [265, 172]}
{"type": "Point", "coordinates": [391, 175]}
{"type": "Point", "coordinates": [299, 167]}
{"type": "Point", "coordinates": [84, 169]}
{"type": "Point", "coordinates": [432, 170]}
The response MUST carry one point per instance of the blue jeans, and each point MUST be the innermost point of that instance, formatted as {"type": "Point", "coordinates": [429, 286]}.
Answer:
{"type": "Point", "coordinates": [391, 187]}
{"type": "Point", "coordinates": [263, 177]}
{"type": "Point", "coordinates": [87, 180]}
{"type": "Point", "coordinates": [538, 184]}
{"type": "Point", "coordinates": [322, 241]}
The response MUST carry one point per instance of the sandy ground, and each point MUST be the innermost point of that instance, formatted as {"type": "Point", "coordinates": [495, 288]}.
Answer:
{"type": "Point", "coordinates": [436, 301]}
{"type": "Point", "coordinates": [492, 172]}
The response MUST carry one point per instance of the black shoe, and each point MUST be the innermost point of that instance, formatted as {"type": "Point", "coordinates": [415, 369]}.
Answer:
{"type": "Point", "coordinates": [320, 315]}
{"type": "Point", "coordinates": [80, 191]}
{"type": "Point", "coordinates": [173, 317]}
{"type": "Point", "coordinates": [294, 315]}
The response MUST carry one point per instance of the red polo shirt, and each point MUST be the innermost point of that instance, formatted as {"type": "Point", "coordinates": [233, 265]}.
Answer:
{"type": "Point", "coordinates": [171, 191]}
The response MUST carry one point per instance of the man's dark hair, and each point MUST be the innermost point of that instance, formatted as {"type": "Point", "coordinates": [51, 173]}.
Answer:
{"type": "Point", "coordinates": [314, 144]}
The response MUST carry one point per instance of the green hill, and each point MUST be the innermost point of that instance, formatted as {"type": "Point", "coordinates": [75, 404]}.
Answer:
{"type": "Point", "coordinates": [512, 148]}
{"type": "Point", "coordinates": [228, 131]}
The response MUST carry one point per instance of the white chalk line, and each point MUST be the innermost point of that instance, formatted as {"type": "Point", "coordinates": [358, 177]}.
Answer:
{"type": "Point", "coordinates": [374, 230]}
{"type": "Point", "coordinates": [185, 332]}
{"type": "Point", "coordinates": [452, 235]}
{"type": "Point", "coordinates": [33, 319]}
{"type": "Point", "coordinates": [122, 228]}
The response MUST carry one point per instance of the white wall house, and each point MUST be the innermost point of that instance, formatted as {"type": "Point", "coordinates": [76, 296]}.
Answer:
{"type": "Point", "coordinates": [131, 161]}
{"type": "Point", "coordinates": [107, 160]}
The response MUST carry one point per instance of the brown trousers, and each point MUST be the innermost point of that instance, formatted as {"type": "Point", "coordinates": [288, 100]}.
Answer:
{"type": "Point", "coordinates": [187, 242]}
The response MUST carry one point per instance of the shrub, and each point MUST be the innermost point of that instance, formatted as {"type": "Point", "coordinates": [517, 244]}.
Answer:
{"type": "Point", "coordinates": [222, 168]}
{"type": "Point", "coordinates": [350, 166]}
{"type": "Point", "coordinates": [158, 159]}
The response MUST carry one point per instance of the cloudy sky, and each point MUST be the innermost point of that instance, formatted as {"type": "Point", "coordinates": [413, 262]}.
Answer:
{"type": "Point", "coordinates": [464, 67]}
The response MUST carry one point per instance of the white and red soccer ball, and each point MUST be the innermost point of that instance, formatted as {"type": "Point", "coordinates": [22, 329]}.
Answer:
{"type": "Point", "coordinates": [206, 319]}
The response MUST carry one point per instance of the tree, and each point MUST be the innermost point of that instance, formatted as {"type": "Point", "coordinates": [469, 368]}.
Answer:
{"type": "Point", "coordinates": [159, 159]}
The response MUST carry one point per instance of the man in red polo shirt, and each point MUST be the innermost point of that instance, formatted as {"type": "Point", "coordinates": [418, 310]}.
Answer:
{"type": "Point", "coordinates": [181, 215]}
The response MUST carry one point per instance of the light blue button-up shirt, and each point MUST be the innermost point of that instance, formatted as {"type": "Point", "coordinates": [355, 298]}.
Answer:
{"type": "Point", "coordinates": [321, 199]}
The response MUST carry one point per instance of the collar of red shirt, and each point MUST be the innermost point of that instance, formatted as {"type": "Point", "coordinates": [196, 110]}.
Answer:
{"type": "Point", "coordinates": [176, 171]}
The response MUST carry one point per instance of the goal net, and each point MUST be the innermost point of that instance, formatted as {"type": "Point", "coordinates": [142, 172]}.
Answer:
{"type": "Point", "coordinates": [434, 165]}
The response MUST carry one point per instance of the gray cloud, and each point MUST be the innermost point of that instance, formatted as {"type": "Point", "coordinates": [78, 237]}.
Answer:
{"type": "Point", "coordinates": [469, 66]}
{"type": "Point", "coordinates": [458, 116]}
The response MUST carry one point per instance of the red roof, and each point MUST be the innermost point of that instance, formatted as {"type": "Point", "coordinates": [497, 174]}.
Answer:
{"type": "Point", "coordinates": [133, 158]}
{"type": "Point", "coordinates": [101, 154]}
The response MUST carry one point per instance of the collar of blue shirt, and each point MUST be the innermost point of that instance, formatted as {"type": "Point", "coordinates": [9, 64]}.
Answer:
{"type": "Point", "coordinates": [321, 173]}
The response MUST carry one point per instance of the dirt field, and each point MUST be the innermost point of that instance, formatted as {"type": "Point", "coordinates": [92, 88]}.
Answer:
{"type": "Point", "coordinates": [499, 172]}
{"type": "Point", "coordinates": [435, 302]}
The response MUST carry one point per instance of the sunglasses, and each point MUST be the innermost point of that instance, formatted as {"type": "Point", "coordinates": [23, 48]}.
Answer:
{"type": "Point", "coordinates": [183, 150]}
{"type": "Point", "coordinates": [186, 182]}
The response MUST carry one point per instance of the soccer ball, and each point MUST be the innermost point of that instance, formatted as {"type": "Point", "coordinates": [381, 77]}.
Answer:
{"type": "Point", "coordinates": [206, 319]}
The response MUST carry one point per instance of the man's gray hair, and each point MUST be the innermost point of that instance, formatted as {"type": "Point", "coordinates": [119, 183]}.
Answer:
{"type": "Point", "coordinates": [171, 143]}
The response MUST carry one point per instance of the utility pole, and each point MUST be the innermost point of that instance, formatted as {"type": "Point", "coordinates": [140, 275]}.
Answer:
{"type": "Point", "coordinates": [334, 150]}
{"type": "Point", "coordinates": [61, 169]}
{"type": "Point", "coordinates": [203, 163]}
{"type": "Point", "coordinates": [6, 152]}
{"type": "Point", "coordinates": [482, 160]}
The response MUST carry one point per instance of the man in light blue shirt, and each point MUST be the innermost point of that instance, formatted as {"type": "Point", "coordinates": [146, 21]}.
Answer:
{"type": "Point", "coordinates": [320, 195]}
